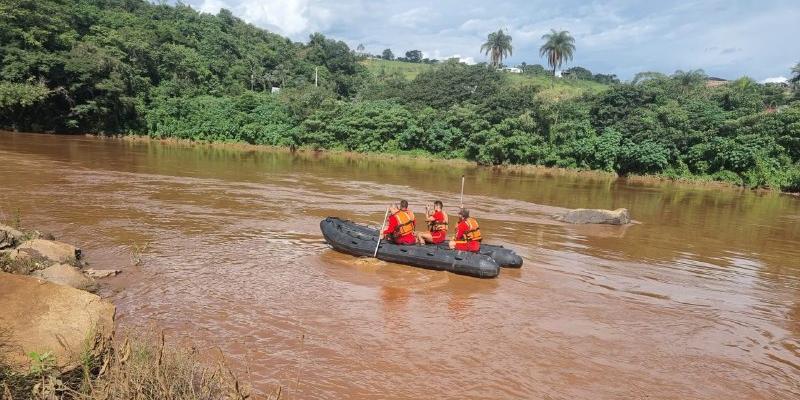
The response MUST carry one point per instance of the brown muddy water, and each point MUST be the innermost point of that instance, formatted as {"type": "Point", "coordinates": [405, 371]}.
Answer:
{"type": "Point", "coordinates": [700, 300]}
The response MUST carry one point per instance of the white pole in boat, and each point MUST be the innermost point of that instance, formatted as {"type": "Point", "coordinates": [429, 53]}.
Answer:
{"type": "Point", "coordinates": [462, 191]}
{"type": "Point", "coordinates": [375, 254]}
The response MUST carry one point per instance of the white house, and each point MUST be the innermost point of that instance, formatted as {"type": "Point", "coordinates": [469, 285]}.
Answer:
{"type": "Point", "coordinates": [513, 70]}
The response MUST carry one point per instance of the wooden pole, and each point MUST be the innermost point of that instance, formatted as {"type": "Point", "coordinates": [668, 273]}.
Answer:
{"type": "Point", "coordinates": [462, 191]}
{"type": "Point", "coordinates": [375, 254]}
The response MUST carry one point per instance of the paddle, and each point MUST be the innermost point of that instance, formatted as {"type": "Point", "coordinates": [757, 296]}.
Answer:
{"type": "Point", "coordinates": [375, 255]}
{"type": "Point", "coordinates": [462, 191]}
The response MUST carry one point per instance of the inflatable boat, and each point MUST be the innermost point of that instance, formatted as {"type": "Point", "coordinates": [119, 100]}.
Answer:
{"type": "Point", "coordinates": [504, 257]}
{"type": "Point", "coordinates": [351, 238]}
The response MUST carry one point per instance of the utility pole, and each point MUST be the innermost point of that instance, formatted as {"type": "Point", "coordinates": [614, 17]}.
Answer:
{"type": "Point", "coordinates": [316, 76]}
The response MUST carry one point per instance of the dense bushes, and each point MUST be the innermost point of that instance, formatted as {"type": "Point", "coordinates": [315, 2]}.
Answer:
{"type": "Point", "coordinates": [252, 118]}
{"type": "Point", "coordinates": [133, 66]}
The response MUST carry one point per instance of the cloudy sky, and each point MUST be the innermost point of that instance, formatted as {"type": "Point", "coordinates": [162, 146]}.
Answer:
{"type": "Point", "coordinates": [726, 38]}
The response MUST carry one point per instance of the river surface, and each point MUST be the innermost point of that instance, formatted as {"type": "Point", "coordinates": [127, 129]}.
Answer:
{"type": "Point", "coordinates": [699, 300]}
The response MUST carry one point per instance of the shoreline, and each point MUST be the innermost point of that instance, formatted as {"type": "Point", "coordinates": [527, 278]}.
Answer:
{"type": "Point", "coordinates": [533, 169]}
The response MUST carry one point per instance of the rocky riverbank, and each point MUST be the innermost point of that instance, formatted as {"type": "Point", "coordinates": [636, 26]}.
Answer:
{"type": "Point", "coordinates": [57, 336]}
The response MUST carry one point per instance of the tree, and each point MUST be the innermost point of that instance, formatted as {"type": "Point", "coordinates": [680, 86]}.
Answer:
{"type": "Point", "coordinates": [558, 47]}
{"type": "Point", "coordinates": [452, 83]}
{"type": "Point", "coordinates": [579, 73]}
{"type": "Point", "coordinates": [689, 79]}
{"type": "Point", "coordinates": [414, 56]}
{"type": "Point", "coordinates": [15, 98]}
{"type": "Point", "coordinates": [795, 74]}
{"type": "Point", "coordinates": [647, 76]}
{"type": "Point", "coordinates": [387, 54]}
{"type": "Point", "coordinates": [535, 69]}
{"type": "Point", "coordinates": [497, 46]}
{"type": "Point", "coordinates": [605, 78]}
{"type": "Point", "coordinates": [360, 48]}
{"type": "Point", "coordinates": [795, 79]}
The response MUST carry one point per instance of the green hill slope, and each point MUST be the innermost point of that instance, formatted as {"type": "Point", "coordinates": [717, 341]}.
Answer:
{"type": "Point", "coordinates": [550, 88]}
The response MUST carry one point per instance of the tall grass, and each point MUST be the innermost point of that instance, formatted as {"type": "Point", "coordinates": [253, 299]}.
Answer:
{"type": "Point", "coordinates": [139, 368]}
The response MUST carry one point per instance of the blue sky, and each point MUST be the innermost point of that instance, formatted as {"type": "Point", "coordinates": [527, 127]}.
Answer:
{"type": "Point", "coordinates": [760, 39]}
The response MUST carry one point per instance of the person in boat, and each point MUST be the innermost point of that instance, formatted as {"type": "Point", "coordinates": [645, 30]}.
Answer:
{"type": "Point", "coordinates": [468, 233]}
{"type": "Point", "coordinates": [437, 225]}
{"type": "Point", "coordinates": [401, 224]}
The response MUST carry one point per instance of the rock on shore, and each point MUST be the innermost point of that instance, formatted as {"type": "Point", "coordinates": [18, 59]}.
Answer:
{"type": "Point", "coordinates": [9, 237]}
{"type": "Point", "coordinates": [619, 216]}
{"type": "Point", "coordinates": [55, 251]}
{"type": "Point", "coordinates": [67, 275]}
{"type": "Point", "coordinates": [39, 316]}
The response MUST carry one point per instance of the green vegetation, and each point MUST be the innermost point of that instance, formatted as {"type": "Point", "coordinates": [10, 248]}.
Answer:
{"type": "Point", "coordinates": [111, 66]}
{"type": "Point", "coordinates": [383, 68]}
{"type": "Point", "coordinates": [141, 368]}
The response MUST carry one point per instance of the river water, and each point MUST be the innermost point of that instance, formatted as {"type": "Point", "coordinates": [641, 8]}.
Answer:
{"type": "Point", "coordinates": [700, 299]}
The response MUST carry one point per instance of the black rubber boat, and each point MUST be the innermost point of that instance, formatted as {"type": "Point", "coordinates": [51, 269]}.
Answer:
{"type": "Point", "coordinates": [351, 238]}
{"type": "Point", "coordinates": [504, 257]}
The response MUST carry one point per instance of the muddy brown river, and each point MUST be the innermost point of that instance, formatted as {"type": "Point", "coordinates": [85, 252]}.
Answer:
{"type": "Point", "coordinates": [700, 300]}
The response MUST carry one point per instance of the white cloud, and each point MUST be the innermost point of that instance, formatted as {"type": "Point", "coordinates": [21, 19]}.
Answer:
{"type": "Point", "coordinates": [413, 17]}
{"type": "Point", "coordinates": [465, 60]}
{"type": "Point", "coordinates": [294, 18]}
{"type": "Point", "coordinates": [437, 55]}
{"type": "Point", "coordinates": [211, 6]}
{"type": "Point", "coordinates": [623, 37]}
{"type": "Point", "coordinates": [290, 17]}
{"type": "Point", "coordinates": [777, 79]}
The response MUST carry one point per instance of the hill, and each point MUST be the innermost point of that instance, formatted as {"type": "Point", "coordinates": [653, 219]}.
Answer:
{"type": "Point", "coordinates": [550, 88]}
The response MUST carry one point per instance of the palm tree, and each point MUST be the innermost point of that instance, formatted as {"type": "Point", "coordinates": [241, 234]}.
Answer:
{"type": "Point", "coordinates": [796, 73]}
{"type": "Point", "coordinates": [559, 47]}
{"type": "Point", "coordinates": [497, 46]}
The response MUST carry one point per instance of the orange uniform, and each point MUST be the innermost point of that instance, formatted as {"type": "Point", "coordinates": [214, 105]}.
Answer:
{"type": "Point", "coordinates": [401, 228]}
{"type": "Point", "coordinates": [438, 227]}
{"type": "Point", "coordinates": [468, 235]}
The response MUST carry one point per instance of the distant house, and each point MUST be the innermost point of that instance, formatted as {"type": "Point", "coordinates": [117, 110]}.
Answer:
{"type": "Point", "coordinates": [275, 89]}
{"type": "Point", "coordinates": [513, 70]}
{"type": "Point", "coordinates": [712, 81]}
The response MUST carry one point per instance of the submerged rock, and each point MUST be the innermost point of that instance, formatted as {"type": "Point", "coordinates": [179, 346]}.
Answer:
{"type": "Point", "coordinates": [57, 252]}
{"type": "Point", "coordinates": [42, 317]}
{"type": "Point", "coordinates": [10, 237]}
{"type": "Point", "coordinates": [67, 275]}
{"type": "Point", "coordinates": [101, 273]}
{"type": "Point", "coordinates": [619, 216]}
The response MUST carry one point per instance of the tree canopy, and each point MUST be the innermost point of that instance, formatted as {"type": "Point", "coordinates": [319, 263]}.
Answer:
{"type": "Point", "coordinates": [497, 46]}
{"type": "Point", "coordinates": [559, 47]}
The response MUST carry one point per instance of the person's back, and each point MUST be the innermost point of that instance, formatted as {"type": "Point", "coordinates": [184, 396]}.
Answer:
{"type": "Point", "coordinates": [468, 233]}
{"type": "Point", "coordinates": [401, 225]}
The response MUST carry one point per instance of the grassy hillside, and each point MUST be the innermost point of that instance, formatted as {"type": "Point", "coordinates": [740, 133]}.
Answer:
{"type": "Point", "coordinates": [407, 70]}
{"type": "Point", "coordinates": [552, 88]}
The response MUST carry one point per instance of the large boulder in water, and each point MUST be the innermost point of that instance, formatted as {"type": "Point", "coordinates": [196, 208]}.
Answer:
{"type": "Point", "coordinates": [619, 216]}
{"type": "Point", "coordinates": [52, 250]}
{"type": "Point", "coordinates": [67, 275]}
{"type": "Point", "coordinates": [9, 237]}
{"type": "Point", "coordinates": [42, 317]}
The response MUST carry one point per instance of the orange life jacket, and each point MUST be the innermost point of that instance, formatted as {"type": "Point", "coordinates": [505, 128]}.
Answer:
{"type": "Point", "coordinates": [405, 223]}
{"type": "Point", "coordinates": [438, 225]}
{"type": "Point", "coordinates": [473, 233]}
